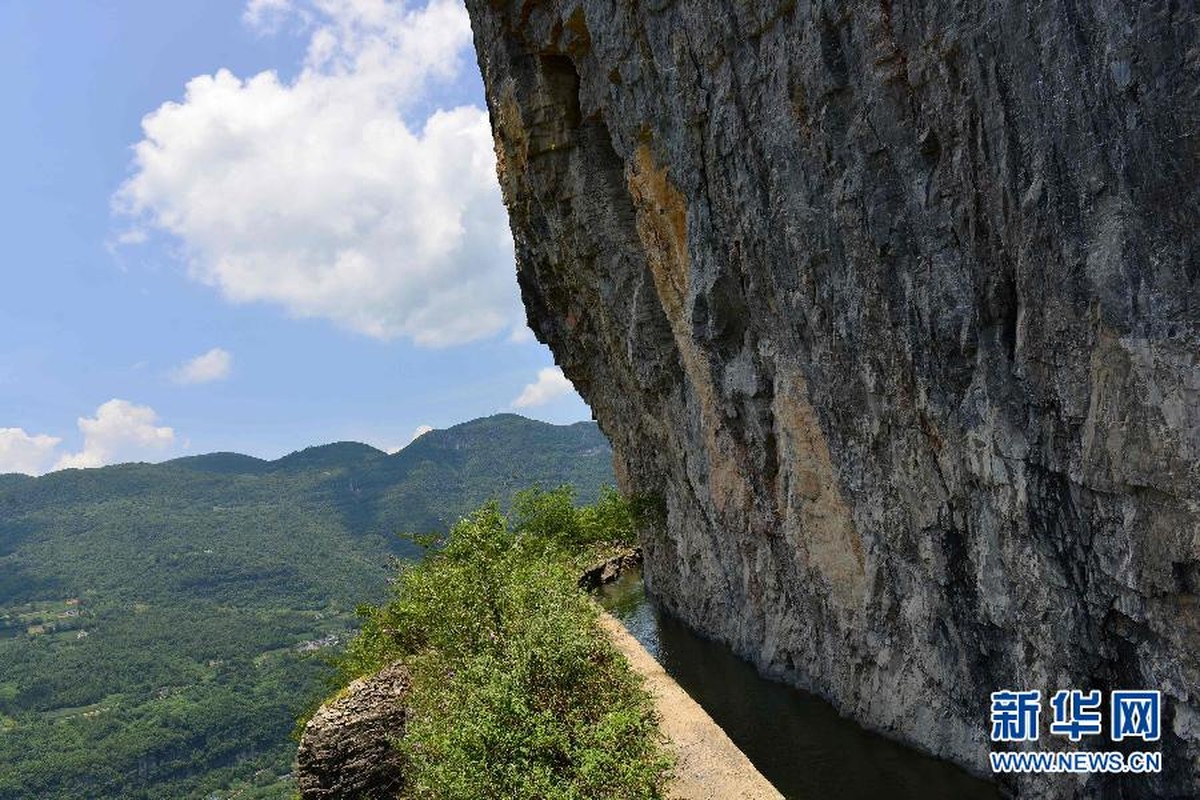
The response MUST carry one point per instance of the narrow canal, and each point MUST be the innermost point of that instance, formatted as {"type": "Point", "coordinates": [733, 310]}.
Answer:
{"type": "Point", "coordinates": [795, 739]}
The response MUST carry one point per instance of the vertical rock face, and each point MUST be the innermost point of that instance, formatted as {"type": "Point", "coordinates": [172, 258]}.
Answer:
{"type": "Point", "coordinates": [895, 305]}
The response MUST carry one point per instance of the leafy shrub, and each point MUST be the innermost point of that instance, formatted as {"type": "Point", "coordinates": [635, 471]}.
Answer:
{"type": "Point", "coordinates": [551, 522]}
{"type": "Point", "coordinates": [517, 692]}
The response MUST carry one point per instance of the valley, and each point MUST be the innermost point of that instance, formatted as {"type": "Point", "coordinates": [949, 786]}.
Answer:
{"type": "Point", "coordinates": [162, 626]}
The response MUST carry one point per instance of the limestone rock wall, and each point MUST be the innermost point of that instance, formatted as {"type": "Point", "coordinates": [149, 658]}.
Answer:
{"type": "Point", "coordinates": [895, 305]}
{"type": "Point", "coordinates": [348, 749]}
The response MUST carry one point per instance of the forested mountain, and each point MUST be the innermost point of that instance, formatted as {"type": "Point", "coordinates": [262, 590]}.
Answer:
{"type": "Point", "coordinates": [158, 623]}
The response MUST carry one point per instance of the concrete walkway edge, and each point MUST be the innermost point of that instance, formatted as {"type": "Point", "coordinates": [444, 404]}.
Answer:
{"type": "Point", "coordinates": [708, 766]}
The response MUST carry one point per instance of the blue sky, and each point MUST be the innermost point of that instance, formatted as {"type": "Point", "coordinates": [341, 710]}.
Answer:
{"type": "Point", "coordinates": [199, 259]}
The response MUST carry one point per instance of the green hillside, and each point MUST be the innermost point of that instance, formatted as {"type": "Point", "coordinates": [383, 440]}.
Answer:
{"type": "Point", "coordinates": [161, 626]}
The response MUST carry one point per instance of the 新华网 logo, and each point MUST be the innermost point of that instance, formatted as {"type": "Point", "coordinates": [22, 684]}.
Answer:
{"type": "Point", "coordinates": [1134, 714]}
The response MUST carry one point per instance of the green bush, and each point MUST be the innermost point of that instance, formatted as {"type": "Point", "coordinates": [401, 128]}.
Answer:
{"type": "Point", "coordinates": [517, 692]}
{"type": "Point", "coordinates": [550, 521]}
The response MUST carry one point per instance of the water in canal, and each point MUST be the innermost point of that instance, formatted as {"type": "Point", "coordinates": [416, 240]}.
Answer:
{"type": "Point", "coordinates": [795, 739]}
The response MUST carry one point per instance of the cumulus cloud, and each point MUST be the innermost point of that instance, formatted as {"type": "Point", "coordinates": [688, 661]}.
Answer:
{"type": "Point", "coordinates": [22, 452]}
{"type": "Point", "coordinates": [120, 431]}
{"type": "Point", "coordinates": [214, 365]}
{"type": "Point", "coordinates": [322, 194]}
{"type": "Point", "coordinates": [550, 384]}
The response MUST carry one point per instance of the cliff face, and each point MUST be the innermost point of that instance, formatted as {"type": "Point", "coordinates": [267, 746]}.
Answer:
{"type": "Point", "coordinates": [895, 304]}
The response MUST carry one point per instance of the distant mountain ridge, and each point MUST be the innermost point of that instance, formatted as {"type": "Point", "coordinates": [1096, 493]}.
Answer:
{"type": "Point", "coordinates": [424, 486]}
{"type": "Point", "coordinates": [511, 429]}
{"type": "Point", "coordinates": [150, 614]}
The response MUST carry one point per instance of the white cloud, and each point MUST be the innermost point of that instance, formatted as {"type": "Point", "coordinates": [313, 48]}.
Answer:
{"type": "Point", "coordinates": [550, 384]}
{"type": "Point", "coordinates": [320, 195]}
{"type": "Point", "coordinates": [214, 365]}
{"type": "Point", "coordinates": [22, 452]}
{"type": "Point", "coordinates": [120, 431]}
{"type": "Point", "coordinates": [521, 334]}
{"type": "Point", "coordinates": [417, 433]}
{"type": "Point", "coordinates": [267, 15]}
{"type": "Point", "coordinates": [132, 236]}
